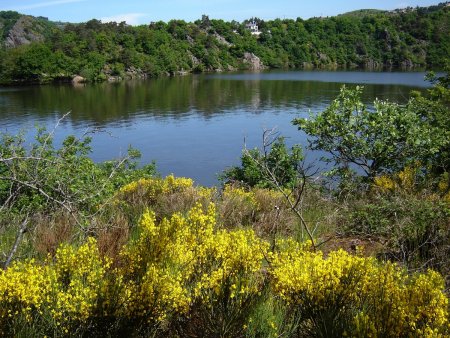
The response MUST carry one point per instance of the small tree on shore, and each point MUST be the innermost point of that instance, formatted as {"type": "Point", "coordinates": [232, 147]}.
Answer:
{"type": "Point", "coordinates": [380, 140]}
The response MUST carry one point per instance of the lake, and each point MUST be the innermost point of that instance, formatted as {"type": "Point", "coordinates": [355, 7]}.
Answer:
{"type": "Point", "coordinates": [192, 125]}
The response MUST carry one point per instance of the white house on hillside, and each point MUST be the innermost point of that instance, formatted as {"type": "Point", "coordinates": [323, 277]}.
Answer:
{"type": "Point", "coordinates": [253, 27]}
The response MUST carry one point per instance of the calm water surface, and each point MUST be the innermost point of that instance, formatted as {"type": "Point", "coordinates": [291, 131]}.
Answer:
{"type": "Point", "coordinates": [194, 125]}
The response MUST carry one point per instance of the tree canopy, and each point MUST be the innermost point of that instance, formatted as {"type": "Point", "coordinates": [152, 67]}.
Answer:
{"type": "Point", "coordinates": [372, 39]}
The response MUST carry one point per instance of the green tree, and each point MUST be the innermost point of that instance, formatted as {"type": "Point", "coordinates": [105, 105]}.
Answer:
{"type": "Point", "coordinates": [257, 167]}
{"type": "Point", "coordinates": [29, 63]}
{"type": "Point", "coordinates": [43, 177]}
{"type": "Point", "coordinates": [434, 108]}
{"type": "Point", "coordinates": [378, 140]}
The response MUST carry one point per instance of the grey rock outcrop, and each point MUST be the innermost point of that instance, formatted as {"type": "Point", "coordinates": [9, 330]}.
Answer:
{"type": "Point", "coordinates": [253, 62]}
{"type": "Point", "coordinates": [77, 79]}
{"type": "Point", "coordinates": [135, 73]}
{"type": "Point", "coordinates": [222, 40]}
{"type": "Point", "coordinates": [25, 31]}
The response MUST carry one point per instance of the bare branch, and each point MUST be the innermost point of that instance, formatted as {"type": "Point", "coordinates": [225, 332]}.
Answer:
{"type": "Point", "coordinates": [50, 135]}
{"type": "Point", "coordinates": [24, 158]}
{"type": "Point", "coordinates": [22, 230]}
{"type": "Point", "coordinates": [269, 137]}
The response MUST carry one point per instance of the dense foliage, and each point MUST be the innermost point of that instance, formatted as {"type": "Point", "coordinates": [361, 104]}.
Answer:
{"type": "Point", "coordinates": [185, 275]}
{"type": "Point", "coordinates": [97, 51]}
{"type": "Point", "coordinates": [44, 177]}
{"type": "Point", "coordinates": [387, 137]}
{"type": "Point", "coordinates": [283, 163]}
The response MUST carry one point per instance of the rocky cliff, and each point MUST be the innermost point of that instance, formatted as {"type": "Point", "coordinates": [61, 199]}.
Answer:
{"type": "Point", "coordinates": [17, 29]}
{"type": "Point", "coordinates": [26, 30]}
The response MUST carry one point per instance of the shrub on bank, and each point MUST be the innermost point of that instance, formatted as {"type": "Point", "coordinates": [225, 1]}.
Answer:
{"type": "Point", "coordinates": [185, 275]}
{"type": "Point", "coordinates": [344, 294]}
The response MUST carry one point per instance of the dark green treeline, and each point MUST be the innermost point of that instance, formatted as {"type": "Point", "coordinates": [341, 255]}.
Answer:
{"type": "Point", "coordinates": [38, 50]}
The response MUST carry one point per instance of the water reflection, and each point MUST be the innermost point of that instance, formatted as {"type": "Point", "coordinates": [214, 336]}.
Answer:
{"type": "Point", "coordinates": [191, 125]}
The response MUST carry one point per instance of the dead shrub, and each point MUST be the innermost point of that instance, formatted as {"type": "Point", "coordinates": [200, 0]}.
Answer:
{"type": "Point", "coordinates": [111, 240]}
{"type": "Point", "coordinates": [273, 215]}
{"type": "Point", "coordinates": [52, 231]}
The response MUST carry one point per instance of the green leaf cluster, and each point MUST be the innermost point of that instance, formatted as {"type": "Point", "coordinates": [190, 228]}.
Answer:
{"type": "Point", "coordinates": [45, 177]}
{"type": "Point", "coordinates": [261, 168]}
{"type": "Point", "coordinates": [385, 138]}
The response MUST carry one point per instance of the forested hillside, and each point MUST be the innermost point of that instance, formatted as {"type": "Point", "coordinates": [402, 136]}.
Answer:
{"type": "Point", "coordinates": [38, 50]}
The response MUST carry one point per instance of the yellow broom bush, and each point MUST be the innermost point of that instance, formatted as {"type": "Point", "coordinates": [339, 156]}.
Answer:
{"type": "Point", "coordinates": [372, 298]}
{"type": "Point", "coordinates": [186, 275]}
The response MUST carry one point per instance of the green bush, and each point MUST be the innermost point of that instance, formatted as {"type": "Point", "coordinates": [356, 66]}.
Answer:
{"type": "Point", "coordinates": [260, 168]}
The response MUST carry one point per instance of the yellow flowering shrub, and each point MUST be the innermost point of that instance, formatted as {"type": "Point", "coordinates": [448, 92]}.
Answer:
{"type": "Point", "coordinates": [179, 239]}
{"type": "Point", "coordinates": [153, 297]}
{"type": "Point", "coordinates": [239, 194]}
{"type": "Point", "coordinates": [301, 276]}
{"type": "Point", "coordinates": [68, 287]}
{"type": "Point", "coordinates": [234, 258]}
{"type": "Point", "coordinates": [384, 183]}
{"type": "Point", "coordinates": [373, 298]}
{"type": "Point", "coordinates": [153, 187]}
{"type": "Point", "coordinates": [415, 303]}
{"type": "Point", "coordinates": [206, 193]}
{"type": "Point", "coordinates": [78, 277]}
{"type": "Point", "coordinates": [149, 189]}
{"type": "Point", "coordinates": [161, 262]}
{"type": "Point", "coordinates": [227, 283]}
{"type": "Point", "coordinates": [187, 274]}
{"type": "Point", "coordinates": [165, 196]}
{"type": "Point", "coordinates": [407, 177]}
{"type": "Point", "coordinates": [405, 180]}
{"type": "Point", "coordinates": [180, 260]}
{"type": "Point", "coordinates": [23, 289]}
